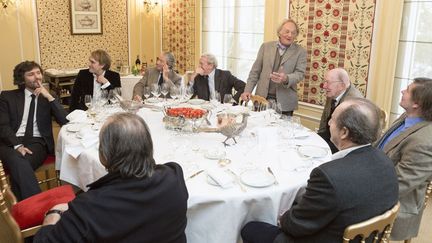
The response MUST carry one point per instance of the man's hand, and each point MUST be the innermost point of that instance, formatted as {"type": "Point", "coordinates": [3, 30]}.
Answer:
{"type": "Point", "coordinates": [245, 96]}
{"type": "Point", "coordinates": [137, 98]}
{"type": "Point", "coordinates": [23, 150]}
{"type": "Point", "coordinates": [165, 72]}
{"type": "Point", "coordinates": [101, 79]}
{"type": "Point", "coordinates": [278, 77]}
{"type": "Point", "coordinates": [44, 92]}
{"type": "Point", "coordinates": [199, 71]}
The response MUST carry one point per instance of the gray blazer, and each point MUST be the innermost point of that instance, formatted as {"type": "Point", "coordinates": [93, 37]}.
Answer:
{"type": "Point", "coordinates": [151, 76]}
{"type": "Point", "coordinates": [411, 152]}
{"type": "Point", "coordinates": [294, 65]}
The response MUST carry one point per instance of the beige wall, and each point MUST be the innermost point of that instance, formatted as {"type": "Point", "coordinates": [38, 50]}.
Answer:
{"type": "Point", "coordinates": [19, 39]}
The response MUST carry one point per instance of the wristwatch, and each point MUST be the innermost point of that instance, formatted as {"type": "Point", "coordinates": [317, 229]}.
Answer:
{"type": "Point", "coordinates": [59, 212]}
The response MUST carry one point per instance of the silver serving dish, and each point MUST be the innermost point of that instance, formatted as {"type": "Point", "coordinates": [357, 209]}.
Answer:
{"type": "Point", "coordinates": [183, 122]}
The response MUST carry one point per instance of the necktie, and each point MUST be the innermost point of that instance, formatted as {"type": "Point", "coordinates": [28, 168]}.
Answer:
{"type": "Point", "coordinates": [160, 82]}
{"type": "Point", "coordinates": [333, 106]}
{"type": "Point", "coordinates": [29, 127]}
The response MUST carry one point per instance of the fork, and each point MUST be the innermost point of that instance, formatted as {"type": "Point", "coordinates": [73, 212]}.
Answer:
{"type": "Point", "coordinates": [237, 180]}
{"type": "Point", "coordinates": [271, 172]}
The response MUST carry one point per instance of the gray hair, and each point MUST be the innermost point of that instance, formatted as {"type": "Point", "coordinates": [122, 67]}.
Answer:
{"type": "Point", "coordinates": [211, 59]}
{"type": "Point", "coordinates": [361, 118]}
{"type": "Point", "coordinates": [342, 75]}
{"type": "Point", "coordinates": [288, 21]}
{"type": "Point", "coordinates": [126, 146]}
{"type": "Point", "coordinates": [170, 59]}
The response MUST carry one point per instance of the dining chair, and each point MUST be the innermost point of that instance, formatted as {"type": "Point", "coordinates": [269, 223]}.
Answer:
{"type": "Point", "coordinates": [49, 171]}
{"type": "Point", "coordinates": [380, 226]}
{"type": "Point", "coordinates": [427, 196]}
{"type": "Point", "coordinates": [10, 231]}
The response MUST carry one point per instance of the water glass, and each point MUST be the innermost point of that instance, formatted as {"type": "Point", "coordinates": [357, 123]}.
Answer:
{"type": "Point", "coordinates": [228, 99]}
{"type": "Point", "coordinates": [88, 100]}
{"type": "Point", "coordinates": [146, 92]}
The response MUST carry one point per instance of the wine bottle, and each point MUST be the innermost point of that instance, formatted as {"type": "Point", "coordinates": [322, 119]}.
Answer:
{"type": "Point", "coordinates": [138, 61]}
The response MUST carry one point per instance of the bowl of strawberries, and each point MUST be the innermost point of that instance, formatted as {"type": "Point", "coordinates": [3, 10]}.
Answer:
{"type": "Point", "coordinates": [184, 118]}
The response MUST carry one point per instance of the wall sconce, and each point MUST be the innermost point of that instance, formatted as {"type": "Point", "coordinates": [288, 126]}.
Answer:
{"type": "Point", "coordinates": [149, 5]}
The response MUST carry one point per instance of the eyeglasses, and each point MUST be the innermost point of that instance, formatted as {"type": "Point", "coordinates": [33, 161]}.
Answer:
{"type": "Point", "coordinates": [329, 82]}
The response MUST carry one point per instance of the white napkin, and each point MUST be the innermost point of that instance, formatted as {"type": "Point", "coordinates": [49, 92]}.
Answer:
{"type": "Point", "coordinates": [88, 137]}
{"type": "Point", "coordinates": [220, 177]}
{"type": "Point", "coordinates": [77, 116]}
{"type": "Point", "coordinates": [74, 150]}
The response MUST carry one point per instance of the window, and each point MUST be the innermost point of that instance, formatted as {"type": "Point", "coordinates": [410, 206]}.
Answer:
{"type": "Point", "coordinates": [415, 48]}
{"type": "Point", "coordinates": [233, 30]}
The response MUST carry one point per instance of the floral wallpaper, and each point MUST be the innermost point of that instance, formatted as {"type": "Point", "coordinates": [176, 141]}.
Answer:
{"type": "Point", "coordinates": [60, 49]}
{"type": "Point", "coordinates": [335, 33]}
{"type": "Point", "coordinates": [178, 32]}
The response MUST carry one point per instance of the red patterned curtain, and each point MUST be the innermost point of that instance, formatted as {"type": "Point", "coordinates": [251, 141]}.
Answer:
{"type": "Point", "coordinates": [178, 32]}
{"type": "Point", "coordinates": [336, 33]}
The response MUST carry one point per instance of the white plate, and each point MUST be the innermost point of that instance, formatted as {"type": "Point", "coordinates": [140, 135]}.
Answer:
{"type": "Point", "coordinates": [151, 100]}
{"type": "Point", "coordinates": [74, 127]}
{"type": "Point", "coordinates": [312, 151]}
{"type": "Point", "coordinates": [257, 178]}
{"type": "Point", "coordinates": [196, 101]}
{"type": "Point", "coordinates": [214, 154]}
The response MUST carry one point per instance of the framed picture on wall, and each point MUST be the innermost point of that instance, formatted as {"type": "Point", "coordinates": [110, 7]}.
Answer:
{"type": "Point", "coordinates": [86, 17]}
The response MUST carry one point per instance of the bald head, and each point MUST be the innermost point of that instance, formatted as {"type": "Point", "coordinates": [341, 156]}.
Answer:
{"type": "Point", "coordinates": [336, 81]}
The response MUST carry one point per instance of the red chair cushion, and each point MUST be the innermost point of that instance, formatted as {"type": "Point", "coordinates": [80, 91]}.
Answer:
{"type": "Point", "coordinates": [49, 160]}
{"type": "Point", "coordinates": [31, 211]}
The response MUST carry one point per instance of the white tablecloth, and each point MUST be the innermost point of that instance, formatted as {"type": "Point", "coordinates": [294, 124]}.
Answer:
{"type": "Point", "coordinates": [128, 82]}
{"type": "Point", "coordinates": [214, 214]}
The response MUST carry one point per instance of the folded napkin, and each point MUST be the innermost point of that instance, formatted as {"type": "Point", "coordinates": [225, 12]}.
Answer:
{"type": "Point", "coordinates": [88, 137]}
{"type": "Point", "coordinates": [220, 177]}
{"type": "Point", "coordinates": [74, 150]}
{"type": "Point", "coordinates": [77, 116]}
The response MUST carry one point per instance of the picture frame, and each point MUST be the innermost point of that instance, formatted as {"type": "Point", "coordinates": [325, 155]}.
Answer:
{"type": "Point", "coordinates": [86, 17]}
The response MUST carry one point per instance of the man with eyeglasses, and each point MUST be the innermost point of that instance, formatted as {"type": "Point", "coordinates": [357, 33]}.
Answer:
{"type": "Point", "coordinates": [337, 86]}
{"type": "Point", "coordinates": [279, 66]}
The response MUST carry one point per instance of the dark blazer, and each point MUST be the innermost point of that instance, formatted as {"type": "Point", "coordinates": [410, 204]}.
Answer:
{"type": "Point", "coordinates": [84, 86]}
{"type": "Point", "coordinates": [131, 210]}
{"type": "Point", "coordinates": [11, 113]}
{"type": "Point", "coordinates": [224, 82]}
{"type": "Point", "coordinates": [324, 130]}
{"type": "Point", "coordinates": [339, 193]}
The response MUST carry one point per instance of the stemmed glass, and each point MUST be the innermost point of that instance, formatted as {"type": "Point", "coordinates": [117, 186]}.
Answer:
{"type": "Point", "coordinates": [88, 100]}
{"type": "Point", "coordinates": [164, 90]}
{"type": "Point", "coordinates": [174, 92]}
{"type": "Point", "coordinates": [228, 99]}
{"type": "Point", "coordinates": [189, 92]}
{"type": "Point", "coordinates": [155, 90]}
{"type": "Point", "coordinates": [146, 92]}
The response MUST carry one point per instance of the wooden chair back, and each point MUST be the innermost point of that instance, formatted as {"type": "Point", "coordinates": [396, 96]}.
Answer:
{"type": "Point", "coordinates": [380, 225]}
{"type": "Point", "coordinates": [259, 103]}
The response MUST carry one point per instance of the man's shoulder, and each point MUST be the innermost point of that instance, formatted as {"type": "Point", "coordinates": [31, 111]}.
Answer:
{"type": "Point", "coordinates": [7, 94]}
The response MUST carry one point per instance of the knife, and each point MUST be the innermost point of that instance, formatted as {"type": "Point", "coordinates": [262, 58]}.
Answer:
{"type": "Point", "coordinates": [271, 172]}
{"type": "Point", "coordinates": [195, 174]}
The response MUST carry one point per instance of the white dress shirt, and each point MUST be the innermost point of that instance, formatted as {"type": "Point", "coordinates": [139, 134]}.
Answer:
{"type": "Point", "coordinates": [211, 84]}
{"type": "Point", "coordinates": [97, 87]}
{"type": "Point", "coordinates": [23, 125]}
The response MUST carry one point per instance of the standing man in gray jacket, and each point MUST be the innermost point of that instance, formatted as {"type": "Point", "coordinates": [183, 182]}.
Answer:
{"type": "Point", "coordinates": [279, 66]}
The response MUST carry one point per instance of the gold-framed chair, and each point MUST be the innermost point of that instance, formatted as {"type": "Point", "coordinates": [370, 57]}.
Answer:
{"type": "Point", "coordinates": [50, 173]}
{"type": "Point", "coordinates": [380, 226]}
{"type": "Point", "coordinates": [10, 231]}
{"type": "Point", "coordinates": [427, 196]}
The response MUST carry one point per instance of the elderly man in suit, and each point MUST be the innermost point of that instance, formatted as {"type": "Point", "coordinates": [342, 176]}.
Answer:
{"type": "Point", "coordinates": [407, 142]}
{"type": "Point", "coordinates": [209, 80]}
{"type": "Point", "coordinates": [358, 183]}
{"type": "Point", "coordinates": [279, 66]}
{"type": "Point", "coordinates": [162, 73]}
{"type": "Point", "coordinates": [338, 87]}
{"type": "Point", "coordinates": [93, 80]}
{"type": "Point", "coordinates": [25, 127]}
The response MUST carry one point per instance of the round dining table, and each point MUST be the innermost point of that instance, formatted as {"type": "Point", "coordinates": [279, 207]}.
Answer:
{"type": "Point", "coordinates": [261, 174]}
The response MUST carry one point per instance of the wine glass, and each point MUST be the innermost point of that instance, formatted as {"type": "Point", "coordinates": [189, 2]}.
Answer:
{"type": "Point", "coordinates": [228, 99]}
{"type": "Point", "coordinates": [146, 92]}
{"type": "Point", "coordinates": [88, 100]}
{"type": "Point", "coordinates": [174, 92]}
{"type": "Point", "coordinates": [189, 92]}
{"type": "Point", "coordinates": [164, 90]}
{"type": "Point", "coordinates": [155, 90]}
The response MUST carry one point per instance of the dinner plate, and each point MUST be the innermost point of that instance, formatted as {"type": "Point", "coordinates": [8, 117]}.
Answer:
{"type": "Point", "coordinates": [196, 101]}
{"type": "Point", "coordinates": [312, 151]}
{"type": "Point", "coordinates": [257, 178]}
{"type": "Point", "coordinates": [152, 100]}
{"type": "Point", "coordinates": [214, 154]}
{"type": "Point", "coordinates": [74, 127]}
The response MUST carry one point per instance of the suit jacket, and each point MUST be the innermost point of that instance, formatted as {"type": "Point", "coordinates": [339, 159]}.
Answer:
{"type": "Point", "coordinates": [335, 199]}
{"type": "Point", "coordinates": [84, 86]}
{"type": "Point", "coordinates": [411, 153]}
{"type": "Point", "coordinates": [115, 209]}
{"type": "Point", "coordinates": [294, 65]}
{"type": "Point", "coordinates": [11, 113]}
{"type": "Point", "coordinates": [224, 83]}
{"type": "Point", "coordinates": [324, 130]}
{"type": "Point", "coordinates": [151, 76]}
